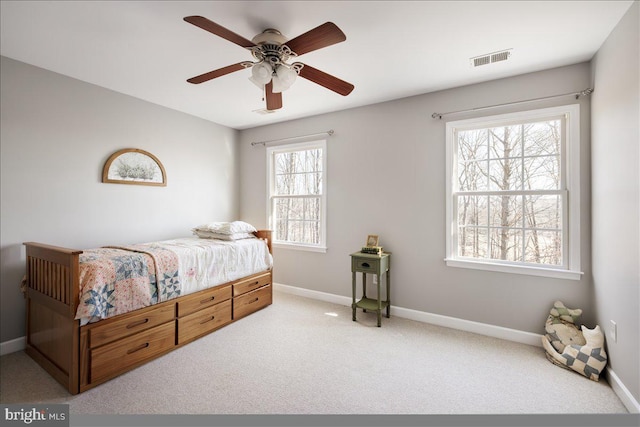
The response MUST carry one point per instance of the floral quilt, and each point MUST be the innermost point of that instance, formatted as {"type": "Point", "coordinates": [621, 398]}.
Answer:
{"type": "Point", "coordinates": [116, 280]}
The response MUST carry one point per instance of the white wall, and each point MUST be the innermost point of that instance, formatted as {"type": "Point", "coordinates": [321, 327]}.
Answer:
{"type": "Point", "coordinates": [58, 132]}
{"type": "Point", "coordinates": [616, 195]}
{"type": "Point", "coordinates": [386, 176]}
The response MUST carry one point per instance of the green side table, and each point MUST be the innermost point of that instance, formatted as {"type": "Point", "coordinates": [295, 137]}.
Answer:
{"type": "Point", "coordinates": [372, 264]}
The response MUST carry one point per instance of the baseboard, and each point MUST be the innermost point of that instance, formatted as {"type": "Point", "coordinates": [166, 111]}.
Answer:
{"type": "Point", "coordinates": [622, 392]}
{"type": "Point", "coordinates": [308, 293]}
{"type": "Point", "coordinates": [424, 317]}
{"type": "Point", "coordinates": [12, 346]}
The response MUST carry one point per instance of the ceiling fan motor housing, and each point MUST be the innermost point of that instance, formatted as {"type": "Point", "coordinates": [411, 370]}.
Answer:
{"type": "Point", "coordinates": [271, 53]}
{"type": "Point", "coordinates": [269, 36]}
{"type": "Point", "coordinates": [270, 47]}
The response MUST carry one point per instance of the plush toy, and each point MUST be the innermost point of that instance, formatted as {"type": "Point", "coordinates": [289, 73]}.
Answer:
{"type": "Point", "coordinates": [561, 329]}
{"type": "Point", "coordinates": [588, 360]}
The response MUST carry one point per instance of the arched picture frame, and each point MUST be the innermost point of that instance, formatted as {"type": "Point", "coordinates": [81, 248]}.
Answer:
{"type": "Point", "coordinates": [134, 166]}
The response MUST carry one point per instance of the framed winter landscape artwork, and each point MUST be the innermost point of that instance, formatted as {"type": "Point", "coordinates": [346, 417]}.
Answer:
{"type": "Point", "coordinates": [134, 166]}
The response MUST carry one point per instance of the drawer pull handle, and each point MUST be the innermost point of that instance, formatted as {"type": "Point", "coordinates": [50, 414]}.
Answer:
{"type": "Point", "coordinates": [251, 302]}
{"type": "Point", "coordinates": [138, 323]}
{"type": "Point", "coordinates": [140, 347]}
{"type": "Point", "coordinates": [204, 301]}
{"type": "Point", "coordinates": [208, 320]}
{"type": "Point", "coordinates": [366, 265]}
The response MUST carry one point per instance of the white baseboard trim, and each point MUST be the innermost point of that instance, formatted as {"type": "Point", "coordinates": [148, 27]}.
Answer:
{"type": "Point", "coordinates": [12, 346]}
{"type": "Point", "coordinates": [424, 317]}
{"type": "Point", "coordinates": [308, 293]}
{"type": "Point", "coordinates": [622, 392]}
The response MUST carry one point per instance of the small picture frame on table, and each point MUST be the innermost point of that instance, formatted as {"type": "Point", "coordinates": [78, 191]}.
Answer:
{"type": "Point", "coordinates": [372, 240]}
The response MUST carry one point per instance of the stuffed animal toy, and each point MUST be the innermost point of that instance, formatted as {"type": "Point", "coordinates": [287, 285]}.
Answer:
{"type": "Point", "coordinates": [561, 329]}
{"type": "Point", "coordinates": [588, 360]}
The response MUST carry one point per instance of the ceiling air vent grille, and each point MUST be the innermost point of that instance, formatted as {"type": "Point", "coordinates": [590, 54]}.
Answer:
{"type": "Point", "coordinates": [490, 58]}
{"type": "Point", "coordinates": [482, 60]}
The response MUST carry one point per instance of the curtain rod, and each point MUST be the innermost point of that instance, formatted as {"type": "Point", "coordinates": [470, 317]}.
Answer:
{"type": "Point", "coordinates": [328, 132]}
{"type": "Point", "coordinates": [585, 92]}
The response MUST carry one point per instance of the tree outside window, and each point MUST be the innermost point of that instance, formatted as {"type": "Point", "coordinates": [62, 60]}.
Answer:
{"type": "Point", "coordinates": [509, 190]}
{"type": "Point", "coordinates": [297, 194]}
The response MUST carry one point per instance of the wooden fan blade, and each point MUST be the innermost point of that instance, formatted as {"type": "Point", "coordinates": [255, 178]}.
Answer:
{"type": "Point", "coordinates": [218, 30]}
{"type": "Point", "coordinates": [274, 100]}
{"type": "Point", "coordinates": [322, 36]}
{"type": "Point", "coordinates": [326, 80]}
{"type": "Point", "coordinates": [216, 73]}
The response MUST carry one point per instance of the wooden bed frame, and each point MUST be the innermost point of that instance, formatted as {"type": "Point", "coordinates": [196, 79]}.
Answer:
{"type": "Point", "coordinates": [82, 357]}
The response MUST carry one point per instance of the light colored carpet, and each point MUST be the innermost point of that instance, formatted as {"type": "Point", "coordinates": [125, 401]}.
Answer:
{"type": "Point", "coordinates": [302, 356]}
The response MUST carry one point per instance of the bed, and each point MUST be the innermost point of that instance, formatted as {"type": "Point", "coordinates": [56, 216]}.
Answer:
{"type": "Point", "coordinates": [95, 314]}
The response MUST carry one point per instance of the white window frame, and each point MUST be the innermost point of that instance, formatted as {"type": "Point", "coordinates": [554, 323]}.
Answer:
{"type": "Point", "coordinates": [271, 151]}
{"type": "Point", "coordinates": [570, 164]}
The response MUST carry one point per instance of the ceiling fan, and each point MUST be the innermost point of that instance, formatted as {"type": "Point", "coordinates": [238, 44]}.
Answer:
{"type": "Point", "coordinates": [271, 50]}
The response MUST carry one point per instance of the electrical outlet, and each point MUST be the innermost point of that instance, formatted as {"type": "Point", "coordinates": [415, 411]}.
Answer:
{"type": "Point", "coordinates": [613, 331]}
{"type": "Point", "coordinates": [375, 279]}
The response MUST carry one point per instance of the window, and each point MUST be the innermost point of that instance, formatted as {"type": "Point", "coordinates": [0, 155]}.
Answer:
{"type": "Point", "coordinates": [297, 195]}
{"type": "Point", "coordinates": [513, 193]}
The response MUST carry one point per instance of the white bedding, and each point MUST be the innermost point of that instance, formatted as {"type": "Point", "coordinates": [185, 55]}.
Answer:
{"type": "Point", "coordinates": [204, 263]}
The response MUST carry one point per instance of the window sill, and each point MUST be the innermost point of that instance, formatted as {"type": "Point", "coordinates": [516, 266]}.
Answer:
{"type": "Point", "coordinates": [299, 247]}
{"type": "Point", "coordinates": [516, 269]}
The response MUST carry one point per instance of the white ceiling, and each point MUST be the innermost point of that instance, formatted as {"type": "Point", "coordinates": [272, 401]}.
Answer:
{"type": "Point", "coordinates": [394, 49]}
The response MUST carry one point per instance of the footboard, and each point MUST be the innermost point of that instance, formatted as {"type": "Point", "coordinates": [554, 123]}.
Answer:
{"type": "Point", "coordinates": [52, 293]}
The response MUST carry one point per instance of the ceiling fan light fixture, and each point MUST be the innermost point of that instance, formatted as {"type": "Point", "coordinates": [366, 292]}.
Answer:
{"type": "Point", "coordinates": [261, 74]}
{"type": "Point", "coordinates": [283, 79]}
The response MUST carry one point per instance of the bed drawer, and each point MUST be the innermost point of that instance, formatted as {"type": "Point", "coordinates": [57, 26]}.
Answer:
{"type": "Point", "coordinates": [252, 301]}
{"type": "Point", "coordinates": [203, 299]}
{"type": "Point", "coordinates": [108, 331]}
{"type": "Point", "coordinates": [117, 357]}
{"type": "Point", "coordinates": [251, 283]}
{"type": "Point", "coordinates": [203, 321]}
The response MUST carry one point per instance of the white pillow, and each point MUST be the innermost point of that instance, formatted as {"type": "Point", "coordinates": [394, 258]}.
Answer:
{"type": "Point", "coordinates": [227, 227]}
{"type": "Point", "coordinates": [203, 234]}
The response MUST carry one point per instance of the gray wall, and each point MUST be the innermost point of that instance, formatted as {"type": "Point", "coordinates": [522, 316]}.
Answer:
{"type": "Point", "coordinates": [616, 195]}
{"type": "Point", "coordinates": [386, 176]}
{"type": "Point", "coordinates": [58, 132]}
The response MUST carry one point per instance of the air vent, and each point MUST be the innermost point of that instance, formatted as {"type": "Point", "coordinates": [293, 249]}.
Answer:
{"type": "Point", "coordinates": [483, 60]}
{"type": "Point", "coordinates": [490, 58]}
